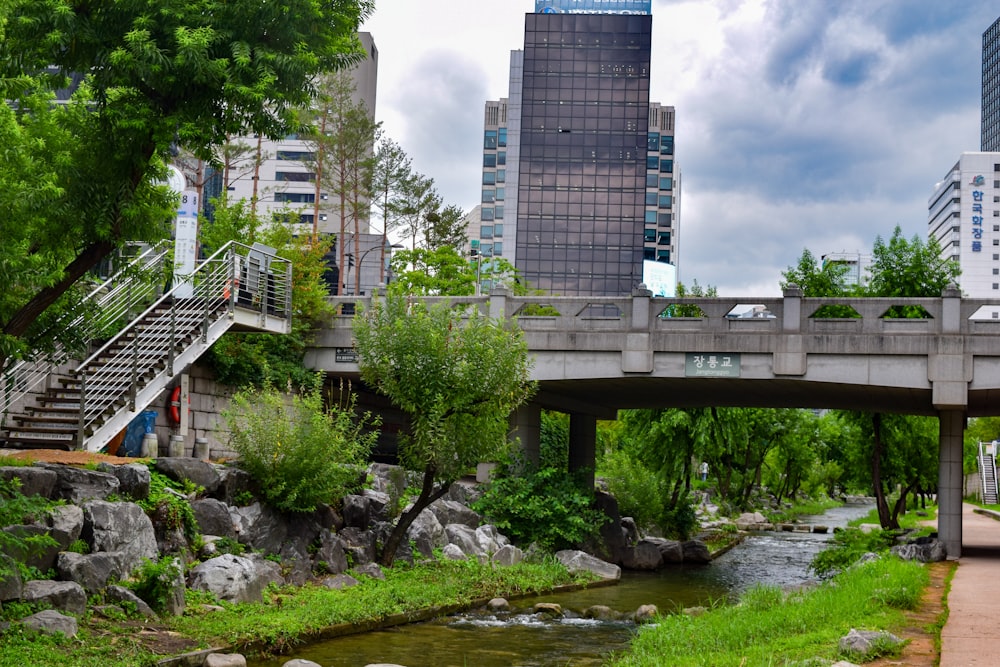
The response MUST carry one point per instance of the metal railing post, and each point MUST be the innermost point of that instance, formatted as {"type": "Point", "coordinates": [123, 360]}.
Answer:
{"type": "Point", "coordinates": [80, 429]}
{"type": "Point", "coordinates": [134, 373]}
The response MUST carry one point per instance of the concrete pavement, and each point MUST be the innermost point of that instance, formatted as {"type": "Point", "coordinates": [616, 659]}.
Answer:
{"type": "Point", "coordinates": [971, 636]}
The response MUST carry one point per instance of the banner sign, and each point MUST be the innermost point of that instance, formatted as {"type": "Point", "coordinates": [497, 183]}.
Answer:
{"type": "Point", "coordinates": [593, 6]}
{"type": "Point", "coordinates": [713, 365]}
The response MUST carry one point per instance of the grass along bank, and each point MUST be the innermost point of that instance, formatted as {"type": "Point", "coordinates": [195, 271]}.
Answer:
{"type": "Point", "coordinates": [769, 627]}
{"type": "Point", "coordinates": [288, 616]}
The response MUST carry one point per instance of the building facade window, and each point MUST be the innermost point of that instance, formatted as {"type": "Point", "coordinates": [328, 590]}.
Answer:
{"type": "Point", "coordinates": [490, 139]}
{"type": "Point", "coordinates": [295, 197]}
{"type": "Point", "coordinates": [298, 156]}
{"type": "Point", "coordinates": [295, 176]}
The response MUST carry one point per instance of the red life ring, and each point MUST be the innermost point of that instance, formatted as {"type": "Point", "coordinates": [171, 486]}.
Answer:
{"type": "Point", "coordinates": [174, 405]}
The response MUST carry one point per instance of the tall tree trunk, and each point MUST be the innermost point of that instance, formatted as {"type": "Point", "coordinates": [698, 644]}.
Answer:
{"type": "Point", "coordinates": [884, 518]}
{"type": "Point", "coordinates": [428, 494]}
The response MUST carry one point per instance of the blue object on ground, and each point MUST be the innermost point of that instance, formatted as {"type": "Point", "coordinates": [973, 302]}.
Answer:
{"type": "Point", "coordinates": [144, 422]}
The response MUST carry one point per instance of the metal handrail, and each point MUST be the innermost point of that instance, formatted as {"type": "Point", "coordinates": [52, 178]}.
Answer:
{"type": "Point", "coordinates": [116, 298]}
{"type": "Point", "coordinates": [250, 278]}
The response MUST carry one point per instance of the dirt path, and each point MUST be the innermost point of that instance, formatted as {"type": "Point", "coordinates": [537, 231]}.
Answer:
{"type": "Point", "coordinates": [61, 456]}
{"type": "Point", "coordinates": [921, 632]}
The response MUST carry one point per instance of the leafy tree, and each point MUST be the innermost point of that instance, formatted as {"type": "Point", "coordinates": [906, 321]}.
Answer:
{"type": "Point", "coordinates": [417, 201]}
{"type": "Point", "coordinates": [685, 309]}
{"type": "Point", "coordinates": [158, 74]}
{"type": "Point", "coordinates": [900, 451]}
{"type": "Point", "coordinates": [444, 272]}
{"type": "Point", "coordinates": [818, 280]}
{"type": "Point", "coordinates": [456, 374]}
{"type": "Point", "coordinates": [342, 134]}
{"type": "Point", "coordinates": [446, 228]}
{"type": "Point", "coordinates": [913, 268]}
{"type": "Point", "coordinates": [815, 279]}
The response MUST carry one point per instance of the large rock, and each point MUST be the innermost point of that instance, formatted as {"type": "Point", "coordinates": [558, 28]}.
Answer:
{"type": "Point", "coordinates": [448, 511]}
{"type": "Point", "coordinates": [35, 481]}
{"type": "Point", "coordinates": [579, 561]}
{"type": "Point", "coordinates": [357, 511]}
{"type": "Point", "coordinates": [643, 556]}
{"type": "Point", "coordinates": [199, 472]}
{"type": "Point", "coordinates": [133, 477]}
{"type": "Point", "coordinates": [464, 537]}
{"type": "Point", "coordinates": [863, 641]}
{"type": "Point", "coordinates": [508, 555]}
{"type": "Point", "coordinates": [331, 556]}
{"type": "Point", "coordinates": [931, 551]}
{"type": "Point", "coordinates": [234, 578]}
{"type": "Point", "coordinates": [612, 539]}
{"type": "Point", "coordinates": [91, 571]}
{"type": "Point", "coordinates": [66, 596]}
{"type": "Point", "coordinates": [379, 503]}
{"type": "Point", "coordinates": [235, 486]}
{"type": "Point", "coordinates": [426, 527]}
{"type": "Point", "coordinates": [11, 584]}
{"type": "Point", "coordinates": [213, 518]}
{"type": "Point", "coordinates": [120, 527]}
{"type": "Point", "coordinates": [388, 478]}
{"type": "Point", "coordinates": [360, 544]}
{"type": "Point", "coordinates": [260, 527]}
{"type": "Point", "coordinates": [225, 660]}
{"type": "Point", "coordinates": [121, 594]}
{"type": "Point", "coordinates": [66, 524]}
{"type": "Point", "coordinates": [696, 551]}
{"type": "Point", "coordinates": [77, 485]}
{"type": "Point", "coordinates": [489, 538]}
{"type": "Point", "coordinates": [44, 559]}
{"type": "Point", "coordinates": [670, 550]}
{"type": "Point", "coordinates": [51, 622]}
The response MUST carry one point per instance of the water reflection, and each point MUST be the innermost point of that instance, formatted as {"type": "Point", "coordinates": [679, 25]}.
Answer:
{"type": "Point", "coordinates": [486, 639]}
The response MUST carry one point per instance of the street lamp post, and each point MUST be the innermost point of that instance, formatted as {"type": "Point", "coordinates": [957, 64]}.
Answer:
{"type": "Point", "coordinates": [357, 267]}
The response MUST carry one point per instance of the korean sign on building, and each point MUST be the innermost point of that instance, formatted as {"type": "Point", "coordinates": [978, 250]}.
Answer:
{"type": "Point", "coordinates": [593, 6]}
{"type": "Point", "coordinates": [711, 365]}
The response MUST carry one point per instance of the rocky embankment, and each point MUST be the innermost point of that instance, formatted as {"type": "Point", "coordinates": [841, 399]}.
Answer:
{"type": "Point", "coordinates": [238, 546]}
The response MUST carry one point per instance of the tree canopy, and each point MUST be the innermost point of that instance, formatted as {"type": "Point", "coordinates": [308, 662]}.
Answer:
{"type": "Point", "coordinates": [456, 373]}
{"type": "Point", "coordinates": [156, 76]}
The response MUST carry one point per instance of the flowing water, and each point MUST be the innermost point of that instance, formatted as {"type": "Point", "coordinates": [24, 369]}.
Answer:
{"type": "Point", "coordinates": [482, 639]}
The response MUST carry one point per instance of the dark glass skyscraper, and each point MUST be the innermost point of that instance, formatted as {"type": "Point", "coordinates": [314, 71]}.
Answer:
{"type": "Point", "coordinates": [990, 140]}
{"type": "Point", "coordinates": [582, 174]}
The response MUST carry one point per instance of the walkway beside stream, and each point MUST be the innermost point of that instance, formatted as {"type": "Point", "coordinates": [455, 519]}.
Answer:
{"type": "Point", "coordinates": [971, 636]}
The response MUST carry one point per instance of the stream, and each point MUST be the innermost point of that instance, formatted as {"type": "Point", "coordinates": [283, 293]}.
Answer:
{"type": "Point", "coordinates": [478, 638]}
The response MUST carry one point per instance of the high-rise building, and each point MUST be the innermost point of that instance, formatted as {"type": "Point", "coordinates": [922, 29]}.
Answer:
{"type": "Point", "coordinates": [579, 182]}
{"type": "Point", "coordinates": [279, 176]}
{"type": "Point", "coordinates": [964, 217]}
{"type": "Point", "coordinates": [990, 138]}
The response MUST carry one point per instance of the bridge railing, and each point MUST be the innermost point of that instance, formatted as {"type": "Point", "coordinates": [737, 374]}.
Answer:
{"type": "Point", "coordinates": [788, 314]}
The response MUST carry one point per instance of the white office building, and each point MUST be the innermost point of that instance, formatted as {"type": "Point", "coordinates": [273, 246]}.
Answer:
{"type": "Point", "coordinates": [964, 217]}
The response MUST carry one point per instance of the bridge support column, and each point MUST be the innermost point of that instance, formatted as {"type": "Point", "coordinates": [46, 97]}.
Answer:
{"type": "Point", "coordinates": [583, 445]}
{"type": "Point", "coordinates": [526, 424]}
{"type": "Point", "coordinates": [950, 480]}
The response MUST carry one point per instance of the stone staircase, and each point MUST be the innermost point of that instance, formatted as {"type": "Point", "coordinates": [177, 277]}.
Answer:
{"type": "Point", "coordinates": [988, 472]}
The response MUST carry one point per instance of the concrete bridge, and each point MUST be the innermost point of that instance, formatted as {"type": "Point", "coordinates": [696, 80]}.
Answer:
{"type": "Point", "coordinates": [596, 355]}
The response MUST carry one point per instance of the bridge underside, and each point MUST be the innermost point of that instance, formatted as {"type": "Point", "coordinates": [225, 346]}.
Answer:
{"type": "Point", "coordinates": [604, 397]}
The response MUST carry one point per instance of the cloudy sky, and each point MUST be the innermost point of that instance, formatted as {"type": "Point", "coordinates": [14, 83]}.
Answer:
{"type": "Point", "coordinates": [800, 123]}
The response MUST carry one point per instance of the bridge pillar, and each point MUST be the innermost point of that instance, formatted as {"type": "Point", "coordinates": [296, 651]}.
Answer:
{"type": "Point", "coordinates": [950, 480]}
{"type": "Point", "coordinates": [526, 424]}
{"type": "Point", "coordinates": [583, 445]}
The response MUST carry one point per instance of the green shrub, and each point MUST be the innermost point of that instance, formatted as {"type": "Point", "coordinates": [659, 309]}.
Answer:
{"type": "Point", "coordinates": [544, 505]}
{"type": "Point", "coordinates": [847, 546]}
{"type": "Point", "coordinates": [153, 581]}
{"type": "Point", "coordinates": [173, 509]}
{"type": "Point", "coordinates": [17, 508]}
{"type": "Point", "coordinates": [300, 454]}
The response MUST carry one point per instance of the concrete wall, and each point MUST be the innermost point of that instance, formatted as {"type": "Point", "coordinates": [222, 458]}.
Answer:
{"type": "Point", "coordinates": [208, 398]}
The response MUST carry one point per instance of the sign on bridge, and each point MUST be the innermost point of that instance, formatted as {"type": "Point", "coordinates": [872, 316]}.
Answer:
{"type": "Point", "coordinates": [697, 364]}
